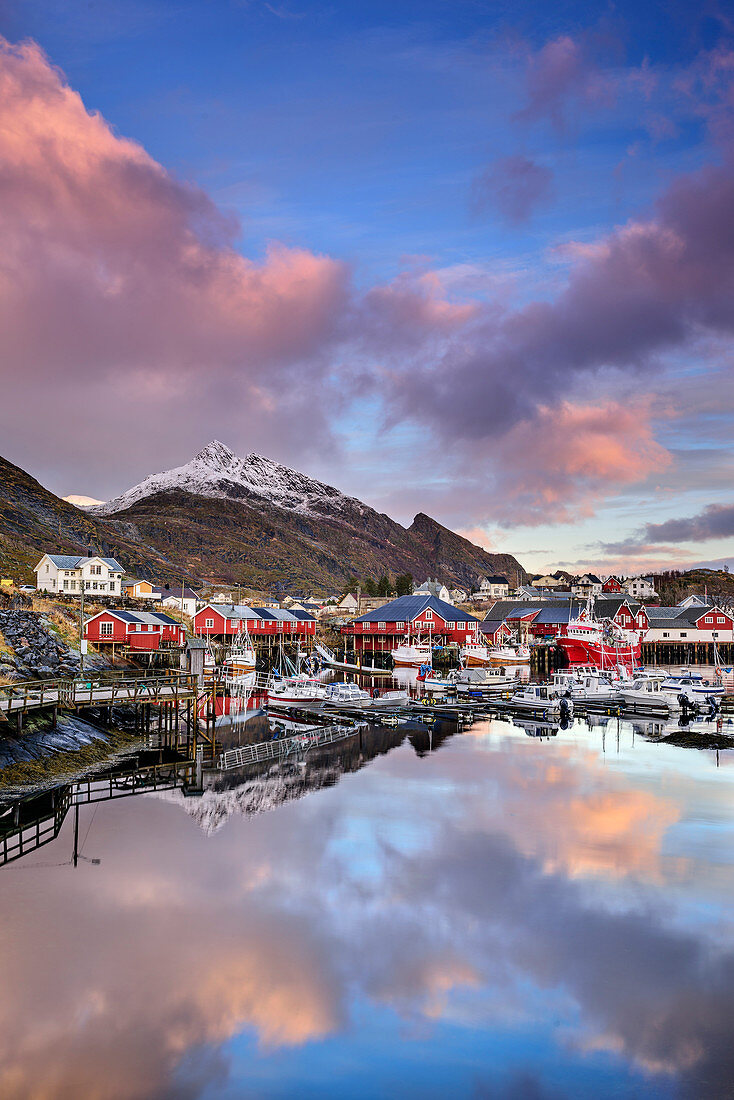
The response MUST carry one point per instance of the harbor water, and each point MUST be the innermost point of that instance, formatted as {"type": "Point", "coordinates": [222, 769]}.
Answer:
{"type": "Point", "coordinates": [515, 910]}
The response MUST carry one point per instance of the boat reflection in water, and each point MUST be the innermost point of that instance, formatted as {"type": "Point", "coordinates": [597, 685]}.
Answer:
{"type": "Point", "coordinates": [508, 916]}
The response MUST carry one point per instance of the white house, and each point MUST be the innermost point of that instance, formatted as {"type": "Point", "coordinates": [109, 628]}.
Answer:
{"type": "Point", "coordinates": [433, 588]}
{"type": "Point", "coordinates": [349, 604]}
{"type": "Point", "coordinates": [185, 600]}
{"type": "Point", "coordinates": [458, 595]}
{"type": "Point", "coordinates": [67, 573]}
{"type": "Point", "coordinates": [495, 587]}
{"type": "Point", "coordinates": [588, 585]}
{"type": "Point", "coordinates": [640, 588]}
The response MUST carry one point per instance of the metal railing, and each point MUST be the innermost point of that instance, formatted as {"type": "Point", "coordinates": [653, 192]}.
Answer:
{"type": "Point", "coordinates": [262, 751]}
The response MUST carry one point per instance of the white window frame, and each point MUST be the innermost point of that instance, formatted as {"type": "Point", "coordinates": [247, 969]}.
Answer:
{"type": "Point", "coordinates": [106, 629]}
{"type": "Point", "coordinates": [208, 624]}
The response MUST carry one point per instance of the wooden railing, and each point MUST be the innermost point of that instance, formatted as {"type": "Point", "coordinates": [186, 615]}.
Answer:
{"type": "Point", "coordinates": [97, 691]}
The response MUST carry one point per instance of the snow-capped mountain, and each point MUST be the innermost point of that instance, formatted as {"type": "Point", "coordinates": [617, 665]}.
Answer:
{"type": "Point", "coordinates": [217, 472]}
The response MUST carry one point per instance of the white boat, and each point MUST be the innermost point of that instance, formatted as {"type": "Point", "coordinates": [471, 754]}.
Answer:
{"type": "Point", "coordinates": [347, 695]}
{"type": "Point", "coordinates": [241, 660]}
{"type": "Point", "coordinates": [587, 685]}
{"type": "Point", "coordinates": [412, 654]}
{"type": "Point", "coordinates": [396, 697]}
{"type": "Point", "coordinates": [645, 693]}
{"type": "Point", "coordinates": [507, 654]}
{"type": "Point", "coordinates": [484, 679]}
{"type": "Point", "coordinates": [475, 655]}
{"type": "Point", "coordinates": [296, 691]}
{"type": "Point", "coordinates": [541, 699]}
{"type": "Point", "coordinates": [693, 686]}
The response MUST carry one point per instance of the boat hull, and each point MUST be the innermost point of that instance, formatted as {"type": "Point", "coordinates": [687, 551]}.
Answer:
{"type": "Point", "coordinates": [578, 651]}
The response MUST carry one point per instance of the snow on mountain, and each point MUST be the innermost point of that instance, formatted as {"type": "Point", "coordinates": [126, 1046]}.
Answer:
{"type": "Point", "coordinates": [218, 472]}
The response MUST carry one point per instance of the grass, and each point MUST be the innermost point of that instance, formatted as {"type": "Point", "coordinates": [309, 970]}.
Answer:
{"type": "Point", "coordinates": [60, 766]}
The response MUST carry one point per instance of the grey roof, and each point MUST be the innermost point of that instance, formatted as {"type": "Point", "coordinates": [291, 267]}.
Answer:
{"type": "Point", "coordinates": [235, 611]}
{"type": "Point", "coordinates": [663, 612]}
{"type": "Point", "coordinates": [279, 614]}
{"type": "Point", "coordinates": [498, 578]}
{"type": "Point", "coordinates": [71, 561]}
{"type": "Point", "coordinates": [152, 618]}
{"type": "Point", "coordinates": [166, 593]}
{"type": "Point", "coordinates": [407, 608]}
{"type": "Point", "coordinates": [302, 616]}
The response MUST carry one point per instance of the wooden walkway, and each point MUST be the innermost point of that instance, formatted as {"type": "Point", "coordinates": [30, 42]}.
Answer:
{"type": "Point", "coordinates": [172, 687]}
{"type": "Point", "coordinates": [30, 823]}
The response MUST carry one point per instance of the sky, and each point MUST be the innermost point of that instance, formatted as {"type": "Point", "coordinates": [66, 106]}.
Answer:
{"type": "Point", "coordinates": [469, 258]}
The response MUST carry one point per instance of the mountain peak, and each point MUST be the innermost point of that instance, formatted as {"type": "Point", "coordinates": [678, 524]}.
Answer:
{"type": "Point", "coordinates": [216, 455]}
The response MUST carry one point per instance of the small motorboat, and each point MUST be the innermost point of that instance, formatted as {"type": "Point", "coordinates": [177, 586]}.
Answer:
{"type": "Point", "coordinates": [645, 693]}
{"type": "Point", "coordinates": [344, 694]}
{"type": "Point", "coordinates": [587, 685]}
{"type": "Point", "coordinates": [412, 654]}
{"type": "Point", "coordinates": [542, 699]}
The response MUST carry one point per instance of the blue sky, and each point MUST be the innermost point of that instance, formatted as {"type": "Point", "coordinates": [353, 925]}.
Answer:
{"type": "Point", "coordinates": [456, 167]}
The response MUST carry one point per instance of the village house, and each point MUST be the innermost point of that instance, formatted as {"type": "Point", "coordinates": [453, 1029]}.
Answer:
{"type": "Point", "coordinates": [588, 585]}
{"type": "Point", "coordinates": [495, 587]}
{"type": "Point", "coordinates": [349, 604]}
{"type": "Point", "coordinates": [612, 586]}
{"type": "Point", "coordinates": [222, 621]}
{"type": "Point", "coordinates": [640, 588]}
{"type": "Point", "coordinates": [140, 590]}
{"type": "Point", "coordinates": [68, 573]}
{"type": "Point", "coordinates": [689, 624]}
{"type": "Point", "coordinates": [433, 588]}
{"type": "Point", "coordinates": [138, 630]}
{"type": "Point", "coordinates": [549, 581]}
{"type": "Point", "coordinates": [184, 600]}
{"type": "Point", "coordinates": [382, 629]}
{"type": "Point", "coordinates": [458, 595]}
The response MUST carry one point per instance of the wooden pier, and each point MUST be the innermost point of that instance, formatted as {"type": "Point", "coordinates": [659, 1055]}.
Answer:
{"type": "Point", "coordinates": [160, 702]}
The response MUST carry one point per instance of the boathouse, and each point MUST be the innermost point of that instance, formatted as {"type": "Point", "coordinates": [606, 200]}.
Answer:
{"type": "Point", "coordinates": [140, 630]}
{"type": "Point", "coordinates": [424, 617]}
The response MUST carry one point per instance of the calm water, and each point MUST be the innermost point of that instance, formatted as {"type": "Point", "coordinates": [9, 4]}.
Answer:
{"type": "Point", "coordinates": [487, 914]}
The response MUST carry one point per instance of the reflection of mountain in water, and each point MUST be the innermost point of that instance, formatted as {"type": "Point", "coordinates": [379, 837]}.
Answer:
{"type": "Point", "coordinates": [255, 790]}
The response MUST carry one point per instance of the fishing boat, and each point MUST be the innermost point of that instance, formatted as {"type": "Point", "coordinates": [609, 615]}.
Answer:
{"type": "Point", "coordinates": [509, 654]}
{"type": "Point", "coordinates": [493, 679]}
{"type": "Point", "coordinates": [412, 654]}
{"type": "Point", "coordinates": [599, 642]}
{"type": "Point", "coordinates": [293, 691]}
{"type": "Point", "coordinates": [241, 659]}
{"type": "Point", "coordinates": [475, 655]}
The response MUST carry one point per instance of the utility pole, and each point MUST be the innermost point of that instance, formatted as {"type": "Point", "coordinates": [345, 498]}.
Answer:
{"type": "Point", "coordinates": [81, 627]}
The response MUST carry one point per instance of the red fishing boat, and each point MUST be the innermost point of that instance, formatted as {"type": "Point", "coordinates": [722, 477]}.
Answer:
{"type": "Point", "coordinates": [601, 643]}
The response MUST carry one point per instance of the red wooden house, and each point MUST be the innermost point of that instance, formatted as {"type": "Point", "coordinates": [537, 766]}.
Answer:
{"type": "Point", "coordinates": [142, 630]}
{"type": "Point", "coordinates": [411, 616]}
{"type": "Point", "coordinates": [611, 586]}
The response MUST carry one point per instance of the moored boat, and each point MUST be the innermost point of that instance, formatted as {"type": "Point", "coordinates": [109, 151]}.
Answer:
{"type": "Point", "coordinates": [475, 655]}
{"type": "Point", "coordinates": [542, 699]}
{"type": "Point", "coordinates": [601, 643]}
{"type": "Point", "coordinates": [412, 654]}
{"type": "Point", "coordinates": [508, 654]}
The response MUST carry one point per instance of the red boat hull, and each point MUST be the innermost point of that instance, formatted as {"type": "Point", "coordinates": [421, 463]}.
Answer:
{"type": "Point", "coordinates": [600, 654]}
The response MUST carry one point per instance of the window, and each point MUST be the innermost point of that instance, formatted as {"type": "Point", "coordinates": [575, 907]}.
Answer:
{"type": "Point", "coordinates": [665, 634]}
{"type": "Point", "coordinates": [709, 619]}
{"type": "Point", "coordinates": [102, 586]}
{"type": "Point", "coordinates": [208, 624]}
{"type": "Point", "coordinates": [683, 634]}
{"type": "Point", "coordinates": [105, 629]}
{"type": "Point", "coordinates": [720, 619]}
{"type": "Point", "coordinates": [460, 626]}
{"type": "Point", "coordinates": [381, 626]}
{"type": "Point", "coordinates": [366, 626]}
{"type": "Point", "coordinates": [66, 585]}
{"type": "Point", "coordinates": [399, 626]}
{"type": "Point", "coordinates": [429, 614]}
